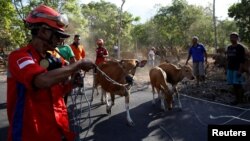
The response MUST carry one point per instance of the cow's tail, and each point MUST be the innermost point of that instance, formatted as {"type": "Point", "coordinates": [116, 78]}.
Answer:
{"type": "Point", "coordinates": [164, 76]}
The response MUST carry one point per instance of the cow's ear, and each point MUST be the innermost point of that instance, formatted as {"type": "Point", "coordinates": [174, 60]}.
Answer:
{"type": "Point", "coordinates": [142, 63]}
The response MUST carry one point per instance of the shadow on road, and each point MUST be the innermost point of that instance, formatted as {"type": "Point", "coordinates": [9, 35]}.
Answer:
{"type": "Point", "coordinates": [3, 133]}
{"type": "Point", "coordinates": [146, 118]}
{"type": "Point", "coordinates": [3, 106]}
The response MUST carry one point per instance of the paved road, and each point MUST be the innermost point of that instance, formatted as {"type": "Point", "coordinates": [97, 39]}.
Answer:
{"type": "Point", "coordinates": [3, 114]}
{"type": "Point", "coordinates": [190, 124]}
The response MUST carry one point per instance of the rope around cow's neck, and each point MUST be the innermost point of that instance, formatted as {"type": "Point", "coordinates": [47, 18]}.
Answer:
{"type": "Point", "coordinates": [110, 79]}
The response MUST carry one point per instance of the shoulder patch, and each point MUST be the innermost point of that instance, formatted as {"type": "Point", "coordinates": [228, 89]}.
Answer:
{"type": "Point", "coordinates": [25, 61]}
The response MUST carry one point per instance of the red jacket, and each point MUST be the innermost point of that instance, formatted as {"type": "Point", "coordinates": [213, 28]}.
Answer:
{"type": "Point", "coordinates": [100, 51]}
{"type": "Point", "coordinates": [34, 114]}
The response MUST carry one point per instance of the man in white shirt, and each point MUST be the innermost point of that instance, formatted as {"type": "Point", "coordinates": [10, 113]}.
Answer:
{"type": "Point", "coordinates": [151, 57]}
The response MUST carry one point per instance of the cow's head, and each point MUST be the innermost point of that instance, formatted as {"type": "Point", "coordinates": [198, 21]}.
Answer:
{"type": "Point", "coordinates": [130, 65]}
{"type": "Point", "coordinates": [187, 72]}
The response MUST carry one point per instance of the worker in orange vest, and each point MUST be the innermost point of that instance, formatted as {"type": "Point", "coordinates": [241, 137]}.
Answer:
{"type": "Point", "coordinates": [77, 48]}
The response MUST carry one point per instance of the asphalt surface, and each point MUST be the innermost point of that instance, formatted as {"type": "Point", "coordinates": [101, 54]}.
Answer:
{"type": "Point", "coordinates": [3, 113]}
{"type": "Point", "coordinates": [151, 123]}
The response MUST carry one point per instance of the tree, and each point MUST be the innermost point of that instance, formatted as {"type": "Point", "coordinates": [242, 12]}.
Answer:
{"type": "Point", "coordinates": [103, 22]}
{"type": "Point", "coordinates": [70, 7]}
{"type": "Point", "coordinates": [241, 14]}
{"type": "Point", "coordinates": [10, 26]}
{"type": "Point", "coordinates": [224, 28]}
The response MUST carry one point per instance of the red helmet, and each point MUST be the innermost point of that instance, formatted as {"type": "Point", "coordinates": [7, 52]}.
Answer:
{"type": "Point", "coordinates": [100, 42]}
{"type": "Point", "coordinates": [49, 16]}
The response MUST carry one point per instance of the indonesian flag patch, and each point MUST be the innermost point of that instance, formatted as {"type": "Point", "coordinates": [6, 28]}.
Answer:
{"type": "Point", "coordinates": [25, 61]}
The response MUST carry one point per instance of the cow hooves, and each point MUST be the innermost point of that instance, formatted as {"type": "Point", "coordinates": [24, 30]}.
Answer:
{"type": "Point", "coordinates": [102, 102]}
{"type": "Point", "coordinates": [131, 124]}
{"type": "Point", "coordinates": [108, 111]}
{"type": "Point", "coordinates": [91, 100]}
{"type": "Point", "coordinates": [164, 109]}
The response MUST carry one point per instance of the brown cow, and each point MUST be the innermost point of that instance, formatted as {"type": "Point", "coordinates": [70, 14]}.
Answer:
{"type": "Point", "coordinates": [121, 72]}
{"type": "Point", "coordinates": [158, 81]}
{"type": "Point", "coordinates": [221, 61]}
{"type": "Point", "coordinates": [175, 75]}
{"type": "Point", "coordinates": [221, 51]}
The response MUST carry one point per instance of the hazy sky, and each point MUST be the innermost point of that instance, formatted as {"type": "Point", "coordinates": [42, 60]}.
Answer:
{"type": "Point", "coordinates": [146, 8]}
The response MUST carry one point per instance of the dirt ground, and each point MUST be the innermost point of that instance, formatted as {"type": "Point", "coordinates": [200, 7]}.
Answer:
{"type": "Point", "coordinates": [215, 88]}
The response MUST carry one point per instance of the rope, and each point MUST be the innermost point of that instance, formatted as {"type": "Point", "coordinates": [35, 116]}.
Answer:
{"type": "Point", "coordinates": [228, 116]}
{"type": "Point", "coordinates": [77, 121]}
{"type": "Point", "coordinates": [223, 116]}
{"type": "Point", "coordinates": [197, 117]}
{"type": "Point", "coordinates": [225, 105]}
{"type": "Point", "coordinates": [110, 79]}
{"type": "Point", "coordinates": [89, 109]}
{"type": "Point", "coordinates": [163, 129]}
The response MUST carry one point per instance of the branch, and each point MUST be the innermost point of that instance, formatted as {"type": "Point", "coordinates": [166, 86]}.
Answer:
{"type": "Point", "coordinates": [18, 12]}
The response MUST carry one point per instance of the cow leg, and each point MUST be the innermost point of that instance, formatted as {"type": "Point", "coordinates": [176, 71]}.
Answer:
{"type": "Point", "coordinates": [108, 106]}
{"type": "Point", "coordinates": [95, 87]}
{"type": "Point", "coordinates": [103, 97]}
{"type": "Point", "coordinates": [129, 120]}
{"type": "Point", "coordinates": [162, 101]}
{"type": "Point", "coordinates": [92, 95]}
{"type": "Point", "coordinates": [97, 92]}
{"type": "Point", "coordinates": [112, 99]}
{"type": "Point", "coordinates": [93, 91]}
{"type": "Point", "coordinates": [177, 96]}
{"type": "Point", "coordinates": [153, 91]}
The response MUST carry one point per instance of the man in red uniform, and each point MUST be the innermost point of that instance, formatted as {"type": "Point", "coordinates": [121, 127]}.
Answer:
{"type": "Point", "coordinates": [101, 52]}
{"type": "Point", "coordinates": [37, 82]}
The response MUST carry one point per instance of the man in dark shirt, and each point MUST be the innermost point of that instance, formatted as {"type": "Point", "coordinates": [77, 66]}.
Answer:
{"type": "Point", "coordinates": [236, 58]}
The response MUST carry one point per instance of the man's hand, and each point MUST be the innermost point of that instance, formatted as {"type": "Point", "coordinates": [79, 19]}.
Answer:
{"type": "Point", "coordinates": [86, 65]}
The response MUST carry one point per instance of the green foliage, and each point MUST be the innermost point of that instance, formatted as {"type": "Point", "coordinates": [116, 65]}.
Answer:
{"type": "Point", "coordinates": [241, 14]}
{"type": "Point", "coordinates": [104, 21]}
{"type": "Point", "coordinates": [172, 26]}
{"type": "Point", "coordinates": [224, 28]}
{"type": "Point", "coordinates": [10, 26]}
